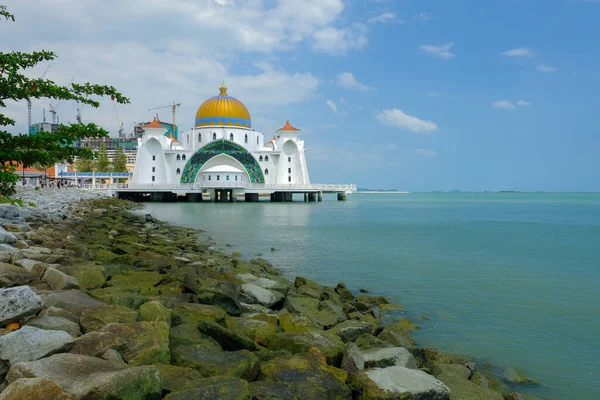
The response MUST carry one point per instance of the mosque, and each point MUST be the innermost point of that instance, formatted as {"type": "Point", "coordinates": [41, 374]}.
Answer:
{"type": "Point", "coordinates": [223, 157]}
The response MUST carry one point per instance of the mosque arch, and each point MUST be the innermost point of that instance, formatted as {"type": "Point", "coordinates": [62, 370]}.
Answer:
{"type": "Point", "coordinates": [267, 171]}
{"type": "Point", "coordinates": [266, 158]}
{"type": "Point", "coordinates": [178, 157]}
{"type": "Point", "coordinates": [214, 136]}
{"type": "Point", "coordinates": [211, 150]}
{"type": "Point", "coordinates": [260, 158]}
{"type": "Point", "coordinates": [246, 138]}
{"type": "Point", "coordinates": [199, 137]}
{"type": "Point", "coordinates": [231, 137]}
{"type": "Point", "coordinates": [178, 171]}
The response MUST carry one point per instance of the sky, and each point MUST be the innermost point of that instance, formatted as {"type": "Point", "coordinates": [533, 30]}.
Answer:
{"type": "Point", "coordinates": [415, 95]}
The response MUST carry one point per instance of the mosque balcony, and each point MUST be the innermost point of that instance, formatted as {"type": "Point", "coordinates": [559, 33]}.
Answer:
{"type": "Point", "coordinates": [248, 187]}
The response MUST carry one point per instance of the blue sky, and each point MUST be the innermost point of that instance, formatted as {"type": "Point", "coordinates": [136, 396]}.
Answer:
{"type": "Point", "coordinates": [410, 94]}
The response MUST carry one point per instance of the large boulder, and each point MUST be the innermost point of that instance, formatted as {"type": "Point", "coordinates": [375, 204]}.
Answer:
{"type": "Point", "coordinates": [255, 329]}
{"type": "Point", "coordinates": [463, 389]}
{"type": "Point", "coordinates": [59, 312]}
{"type": "Point", "coordinates": [226, 337]}
{"type": "Point", "coordinates": [143, 282]}
{"type": "Point", "coordinates": [71, 300]}
{"type": "Point", "coordinates": [95, 344]}
{"type": "Point", "coordinates": [34, 388]}
{"type": "Point", "coordinates": [34, 267]}
{"type": "Point", "coordinates": [218, 387]}
{"type": "Point", "coordinates": [59, 280]}
{"type": "Point", "coordinates": [329, 344]}
{"type": "Point", "coordinates": [194, 313]}
{"type": "Point", "coordinates": [155, 311]}
{"type": "Point", "coordinates": [12, 275]}
{"type": "Point", "coordinates": [147, 341]}
{"type": "Point", "coordinates": [222, 294]}
{"type": "Point", "coordinates": [30, 344]}
{"type": "Point", "coordinates": [93, 319]}
{"type": "Point", "coordinates": [211, 361]}
{"type": "Point", "coordinates": [348, 331]}
{"type": "Point", "coordinates": [293, 322]}
{"type": "Point", "coordinates": [119, 296]}
{"type": "Point", "coordinates": [255, 294]}
{"type": "Point", "coordinates": [388, 357]}
{"type": "Point", "coordinates": [353, 359]}
{"type": "Point", "coordinates": [189, 334]}
{"type": "Point", "coordinates": [7, 237]}
{"type": "Point", "coordinates": [85, 377]}
{"type": "Point", "coordinates": [174, 378]}
{"type": "Point", "coordinates": [56, 324]}
{"type": "Point", "coordinates": [400, 380]}
{"type": "Point", "coordinates": [305, 376]}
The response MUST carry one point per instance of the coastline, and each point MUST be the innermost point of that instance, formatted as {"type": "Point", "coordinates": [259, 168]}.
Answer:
{"type": "Point", "coordinates": [314, 332]}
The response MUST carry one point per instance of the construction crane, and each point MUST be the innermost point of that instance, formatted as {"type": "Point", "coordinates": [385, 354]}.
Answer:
{"type": "Point", "coordinates": [29, 105]}
{"type": "Point", "coordinates": [53, 108]}
{"type": "Point", "coordinates": [174, 107]}
{"type": "Point", "coordinates": [119, 123]}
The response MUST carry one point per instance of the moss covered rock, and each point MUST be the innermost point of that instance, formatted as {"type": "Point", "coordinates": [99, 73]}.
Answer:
{"type": "Point", "coordinates": [306, 377]}
{"type": "Point", "coordinates": [348, 331]}
{"type": "Point", "coordinates": [295, 322]}
{"type": "Point", "coordinates": [174, 378]}
{"type": "Point", "coordinates": [329, 344]}
{"type": "Point", "coordinates": [211, 361]}
{"type": "Point", "coordinates": [255, 329]}
{"type": "Point", "coordinates": [114, 295]}
{"type": "Point", "coordinates": [139, 282]}
{"type": "Point", "coordinates": [93, 319]}
{"type": "Point", "coordinates": [228, 338]}
{"type": "Point", "coordinates": [155, 311]}
{"type": "Point", "coordinates": [218, 387]}
{"type": "Point", "coordinates": [194, 313]}
{"type": "Point", "coordinates": [147, 342]}
{"type": "Point", "coordinates": [185, 334]}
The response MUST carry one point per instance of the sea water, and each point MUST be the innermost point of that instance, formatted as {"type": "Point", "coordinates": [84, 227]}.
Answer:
{"type": "Point", "coordinates": [511, 279]}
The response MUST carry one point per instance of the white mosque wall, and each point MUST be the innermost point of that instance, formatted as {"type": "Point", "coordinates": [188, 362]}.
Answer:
{"type": "Point", "coordinates": [150, 167]}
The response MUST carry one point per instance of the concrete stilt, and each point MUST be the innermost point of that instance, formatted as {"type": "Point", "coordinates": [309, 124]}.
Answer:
{"type": "Point", "coordinates": [306, 197]}
{"type": "Point", "coordinates": [341, 196]}
{"type": "Point", "coordinates": [253, 197]}
{"type": "Point", "coordinates": [312, 197]}
{"type": "Point", "coordinates": [320, 196]}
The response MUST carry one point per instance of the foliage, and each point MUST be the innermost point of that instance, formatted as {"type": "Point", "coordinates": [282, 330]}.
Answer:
{"type": "Point", "coordinates": [119, 163]}
{"type": "Point", "coordinates": [45, 148]}
{"type": "Point", "coordinates": [84, 165]}
{"type": "Point", "coordinates": [102, 163]}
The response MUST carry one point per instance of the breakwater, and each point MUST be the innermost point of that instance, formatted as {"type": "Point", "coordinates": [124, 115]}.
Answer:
{"type": "Point", "coordinates": [147, 310]}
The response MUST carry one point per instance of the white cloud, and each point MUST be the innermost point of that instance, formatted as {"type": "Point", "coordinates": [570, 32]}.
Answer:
{"type": "Point", "coordinates": [398, 119]}
{"type": "Point", "coordinates": [523, 103]}
{"type": "Point", "coordinates": [382, 18]}
{"type": "Point", "coordinates": [441, 51]}
{"type": "Point", "coordinates": [504, 105]}
{"type": "Point", "coordinates": [422, 16]}
{"type": "Point", "coordinates": [545, 68]}
{"type": "Point", "coordinates": [347, 81]}
{"type": "Point", "coordinates": [520, 52]}
{"type": "Point", "coordinates": [425, 153]}
{"type": "Point", "coordinates": [338, 41]}
{"type": "Point", "coordinates": [434, 94]}
{"type": "Point", "coordinates": [331, 104]}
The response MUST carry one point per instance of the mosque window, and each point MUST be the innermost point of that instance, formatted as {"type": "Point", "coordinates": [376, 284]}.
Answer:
{"type": "Point", "coordinates": [209, 177]}
{"type": "Point", "coordinates": [260, 158]}
{"type": "Point", "coordinates": [178, 171]}
{"type": "Point", "coordinates": [266, 158]}
{"type": "Point", "coordinates": [289, 170]}
{"type": "Point", "coordinates": [227, 177]}
{"type": "Point", "coordinates": [267, 171]}
{"type": "Point", "coordinates": [153, 178]}
{"type": "Point", "coordinates": [153, 169]}
{"type": "Point", "coordinates": [199, 137]}
{"type": "Point", "coordinates": [246, 138]}
{"type": "Point", "coordinates": [214, 136]}
{"type": "Point", "coordinates": [178, 157]}
{"type": "Point", "coordinates": [218, 177]}
{"type": "Point", "coordinates": [153, 158]}
{"type": "Point", "coordinates": [183, 157]}
{"type": "Point", "coordinates": [289, 159]}
{"type": "Point", "coordinates": [289, 178]}
{"type": "Point", "coordinates": [231, 137]}
{"type": "Point", "coordinates": [187, 137]}
{"type": "Point", "coordinates": [257, 140]}
{"type": "Point", "coordinates": [236, 177]}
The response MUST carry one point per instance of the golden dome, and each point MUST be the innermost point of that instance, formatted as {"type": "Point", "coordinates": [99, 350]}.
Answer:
{"type": "Point", "coordinates": [223, 110]}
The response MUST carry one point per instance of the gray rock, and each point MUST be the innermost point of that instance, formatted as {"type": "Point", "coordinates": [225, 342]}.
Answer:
{"type": "Point", "coordinates": [34, 267]}
{"type": "Point", "coordinates": [12, 275]}
{"type": "Point", "coordinates": [348, 331]}
{"type": "Point", "coordinates": [18, 302]}
{"type": "Point", "coordinates": [392, 356]}
{"type": "Point", "coordinates": [353, 359]}
{"type": "Point", "coordinates": [56, 324]}
{"type": "Point", "coordinates": [59, 312]}
{"type": "Point", "coordinates": [59, 280]}
{"type": "Point", "coordinates": [255, 294]}
{"type": "Point", "coordinates": [95, 344]}
{"type": "Point", "coordinates": [30, 344]}
{"type": "Point", "coordinates": [71, 300]}
{"type": "Point", "coordinates": [34, 388]}
{"type": "Point", "coordinates": [85, 377]}
{"type": "Point", "coordinates": [400, 380]}
{"type": "Point", "coordinates": [7, 237]}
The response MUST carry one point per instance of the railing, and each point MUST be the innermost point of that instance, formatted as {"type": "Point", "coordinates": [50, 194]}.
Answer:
{"type": "Point", "coordinates": [238, 185]}
{"type": "Point", "coordinates": [95, 175]}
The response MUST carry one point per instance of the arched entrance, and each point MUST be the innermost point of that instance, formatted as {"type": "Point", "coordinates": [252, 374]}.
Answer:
{"type": "Point", "coordinates": [202, 156]}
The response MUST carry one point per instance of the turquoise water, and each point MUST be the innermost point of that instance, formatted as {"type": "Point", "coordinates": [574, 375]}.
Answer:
{"type": "Point", "coordinates": [511, 279]}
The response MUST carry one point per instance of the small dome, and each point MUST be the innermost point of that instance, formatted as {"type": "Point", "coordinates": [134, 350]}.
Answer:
{"type": "Point", "coordinates": [223, 110]}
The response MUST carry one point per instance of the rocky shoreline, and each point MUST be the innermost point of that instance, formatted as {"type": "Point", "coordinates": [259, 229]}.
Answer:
{"type": "Point", "coordinates": [98, 302]}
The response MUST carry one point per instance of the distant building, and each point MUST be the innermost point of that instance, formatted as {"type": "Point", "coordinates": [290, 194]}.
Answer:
{"type": "Point", "coordinates": [43, 127]}
{"type": "Point", "coordinates": [138, 129]}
